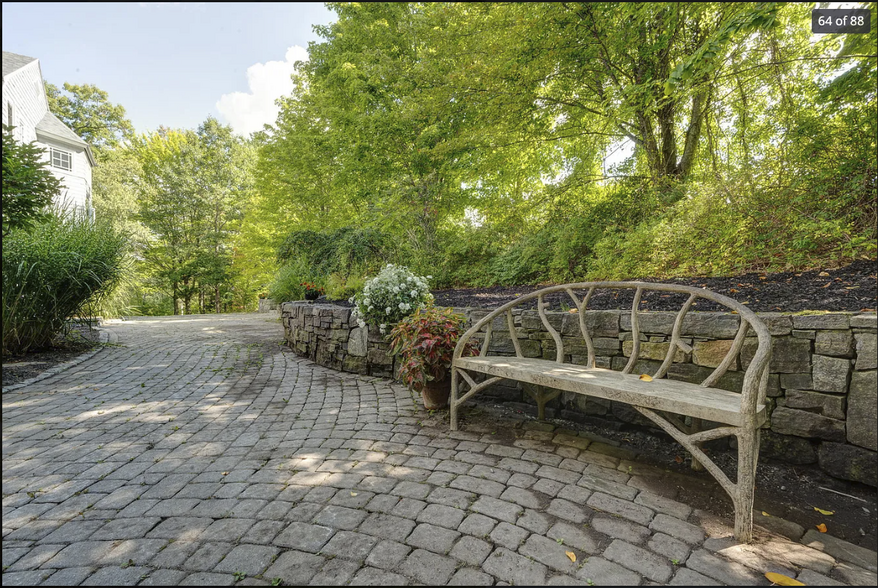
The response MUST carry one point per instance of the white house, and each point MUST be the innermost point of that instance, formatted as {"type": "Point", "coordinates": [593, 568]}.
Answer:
{"type": "Point", "coordinates": [26, 108]}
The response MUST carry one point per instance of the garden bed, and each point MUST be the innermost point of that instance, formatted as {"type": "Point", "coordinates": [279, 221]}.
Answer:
{"type": "Point", "coordinates": [78, 340]}
{"type": "Point", "coordinates": [850, 288]}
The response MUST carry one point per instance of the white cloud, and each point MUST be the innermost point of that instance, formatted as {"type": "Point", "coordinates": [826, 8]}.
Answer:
{"type": "Point", "coordinates": [248, 112]}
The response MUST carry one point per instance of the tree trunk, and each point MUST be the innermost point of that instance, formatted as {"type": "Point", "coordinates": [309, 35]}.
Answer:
{"type": "Point", "coordinates": [669, 143]}
{"type": "Point", "coordinates": [175, 297]}
{"type": "Point", "coordinates": [187, 297]}
{"type": "Point", "coordinates": [693, 134]}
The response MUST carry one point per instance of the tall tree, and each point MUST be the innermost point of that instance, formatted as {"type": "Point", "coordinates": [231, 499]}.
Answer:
{"type": "Point", "coordinates": [88, 111]}
{"type": "Point", "coordinates": [191, 195]}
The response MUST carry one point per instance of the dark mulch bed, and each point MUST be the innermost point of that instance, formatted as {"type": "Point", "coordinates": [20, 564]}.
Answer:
{"type": "Point", "coordinates": [19, 368]}
{"type": "Point", "coordinates": [850, 288]}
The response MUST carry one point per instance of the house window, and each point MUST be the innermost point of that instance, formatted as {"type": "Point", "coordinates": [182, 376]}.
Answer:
{"type": "Point", "coordinates": [61, 159]}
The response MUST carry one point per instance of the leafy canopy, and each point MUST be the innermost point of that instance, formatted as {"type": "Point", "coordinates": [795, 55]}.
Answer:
{"type": "Point", "coordinates": [87, 110]}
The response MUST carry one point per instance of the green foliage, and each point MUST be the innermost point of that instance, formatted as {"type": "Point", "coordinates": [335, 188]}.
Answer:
{"type": "Point", "coordinates": [287, 283]}
{"type": "Point", "coordinates": [341, 250]}
{"type": "Point", "coordinates": [87, 110]}
{"type": "Point", "coordinates": [56, 271]}
{"type": "Point", "coordinates": [191, 197]}
{"type": "Point", "coordinates": [425, 342]}
{"type": "Point", "coordinates": [467, 257]}
{"type": "Point", "coordinates": [470, 141]}
{"type": "Point", "coordinates": [28, 185]}
{"type": "Point", "coordinates": [341, 287]}
{"type": "Point", "coordinates": [338, 258]}
{"type": "Point", "coordinates": [473, 138]}
{"type": "Point", "coordinates": [390, 296]}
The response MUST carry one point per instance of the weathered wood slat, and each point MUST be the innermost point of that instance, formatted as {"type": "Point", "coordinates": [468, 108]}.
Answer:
{"type": "Point", "coordinates": [730, 356]}
{"type": "Point", "coordinates": [668, 395]}
{"type": "Point", "coordinates": [479, 387]}
{"type": "Point", "coordinates": [484, 351]}
{"type": "Point", "coordinates": [730, 487]}
{"type": "Point", "coordinates": [580, 307]}
{"type": "Point", "coordinates": [635, 332]}
{"type": "Point", "coordinates": [559, 345]}
{"type": "Point", "coordinates": [675, 338]}
{"type": "Point", "coordinates": [512, 335]}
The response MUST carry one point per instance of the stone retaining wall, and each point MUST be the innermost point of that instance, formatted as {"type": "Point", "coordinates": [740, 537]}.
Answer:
{"type": "Point", "coordinates": [822, 391]}
{"type": "Point", "coordinates": [267, 305]}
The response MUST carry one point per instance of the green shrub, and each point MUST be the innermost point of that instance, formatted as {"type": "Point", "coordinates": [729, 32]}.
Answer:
{"type": "Point", "coordinates": [287, 284]}
{"type": "Point", "coordinates": [59, 269]}
{"type": "Point", "coordinates": [467, 255]}
{"type": "Point", "coordinates": [346, 251]}
{"type": "Point", "coordinates": [341, 287]}
{"type": "Point", "coordinates": [28, 184]}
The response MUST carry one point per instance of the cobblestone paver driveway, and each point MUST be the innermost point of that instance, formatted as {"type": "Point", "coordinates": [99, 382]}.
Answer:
{"type": "Point", "coordinates": [199, 452]}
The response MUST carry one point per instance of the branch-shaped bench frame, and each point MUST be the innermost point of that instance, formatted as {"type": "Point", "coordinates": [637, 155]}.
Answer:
{"type": "Point", "coordinates": [752, 398]}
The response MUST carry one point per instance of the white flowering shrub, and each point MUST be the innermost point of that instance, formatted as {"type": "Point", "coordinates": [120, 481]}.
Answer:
{"type": "Point", "coordinates": [391, 296]}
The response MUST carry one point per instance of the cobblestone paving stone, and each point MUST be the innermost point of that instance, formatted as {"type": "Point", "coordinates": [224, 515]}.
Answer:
{"type": "Point", "coordinates": [199, 451]}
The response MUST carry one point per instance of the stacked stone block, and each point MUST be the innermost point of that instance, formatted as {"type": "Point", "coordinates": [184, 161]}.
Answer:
{"type": "Point", "coordinates": [821, 392]}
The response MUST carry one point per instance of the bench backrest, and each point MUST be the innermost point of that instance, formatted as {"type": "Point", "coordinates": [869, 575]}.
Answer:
{"type": "Point", "coordinates": [755, 377]}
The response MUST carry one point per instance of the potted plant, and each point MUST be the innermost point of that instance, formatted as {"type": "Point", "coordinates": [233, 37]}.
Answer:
{"type": "Point", "coordinates": [425, 343]}
{"type": "Point", "coordinates": [312, 291]}
{"type": "Point", "coordinates": [390, 296]}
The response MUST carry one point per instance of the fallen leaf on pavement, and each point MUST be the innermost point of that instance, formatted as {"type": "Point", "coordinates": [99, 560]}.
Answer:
{"type": "Point", "coordinates": [571, 555]}
{"type": "Point", "coordinates": [781, 580]}
{"type": "Point", "coordinates": [646, 377]}
{"type": "Point", "coordinates": [821, 527]}
{"type": "Point", "coordinates": [824, 512]}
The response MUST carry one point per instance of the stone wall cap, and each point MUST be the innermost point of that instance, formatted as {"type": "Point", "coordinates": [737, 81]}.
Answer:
{"type": "Point", "coordinates": [867, 320]}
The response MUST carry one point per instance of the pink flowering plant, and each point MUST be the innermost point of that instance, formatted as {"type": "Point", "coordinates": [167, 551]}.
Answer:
{"type": "Point", "coordinates": [425, 343]}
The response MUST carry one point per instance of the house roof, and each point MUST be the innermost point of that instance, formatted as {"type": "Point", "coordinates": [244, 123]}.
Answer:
{"type": "Point", "coordinates": [13, 62]}
{"type": "Point", "coordinates": [52, 127]}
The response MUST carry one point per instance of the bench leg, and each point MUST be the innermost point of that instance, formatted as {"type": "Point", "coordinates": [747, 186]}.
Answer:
{"type": "Point", "coordinates": [541, 396]}
{"type": "Point", "coordinates": [696, 427]}
{"type": "Point", "coordinates": [453, 403]}
{"type": "Point", "coordinates": [748, 454]}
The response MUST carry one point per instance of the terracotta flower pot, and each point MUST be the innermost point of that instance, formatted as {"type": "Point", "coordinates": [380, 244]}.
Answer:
{"type": "Point", "coordinates": [435, 394]}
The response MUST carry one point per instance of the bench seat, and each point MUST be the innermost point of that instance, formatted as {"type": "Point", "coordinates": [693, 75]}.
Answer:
{"type": "Point", "coordinates": [673, 396]}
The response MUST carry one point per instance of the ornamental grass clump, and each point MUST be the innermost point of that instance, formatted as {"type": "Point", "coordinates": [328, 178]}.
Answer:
{"type": "Point", "coordinates": [391, 296]}
{"type": "Point", "coordinates": [57, 270]}
{"type": "Point", "coordinates": [425, 343]}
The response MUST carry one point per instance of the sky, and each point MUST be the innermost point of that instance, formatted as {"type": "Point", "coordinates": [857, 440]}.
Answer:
{"type": "Point", "coordinates": [171, 63]}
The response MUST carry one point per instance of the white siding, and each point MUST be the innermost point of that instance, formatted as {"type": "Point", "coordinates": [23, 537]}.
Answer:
{"type": "Point", "coordinates": [77, 181]}
{"type": "Point", "coordinates": [23, 89]}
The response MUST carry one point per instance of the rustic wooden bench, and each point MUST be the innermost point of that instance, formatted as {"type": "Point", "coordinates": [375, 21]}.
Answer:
{"type": "Point", "coordinates": [661, 400]}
